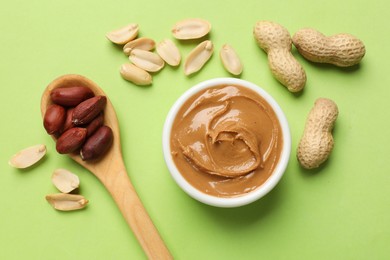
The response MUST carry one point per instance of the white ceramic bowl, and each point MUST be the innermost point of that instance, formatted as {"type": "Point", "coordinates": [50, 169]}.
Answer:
{"type": "Point", "coordinates": [245, 198]}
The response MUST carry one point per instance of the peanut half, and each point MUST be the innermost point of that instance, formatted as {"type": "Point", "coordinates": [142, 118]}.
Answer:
{"type": "Point", "coordinates": [198, 57]}
{"type": "Point", "coordinates": [66, 202]}
{"type": "Point", "coordinates": [146, 60]}
{"type": "Point", "coordinates": [276, 41]}
{"type": "Point", "coordinates": [230, 60]}
{"type": "Point", "coordinates": [65, 181]}
{"type": "Point", "coordinates": [123, 35]}
{"type": "Point", "coordinates": [169, 52]}
{"type": "Point", "coordinates": [342, 50]}
{"type": "Point", "coordinates": [317, 142]}
{"type": "Point", "coordinates": [143, 43]}
{"type": "Point", "coordinates": [191, 29]}
{"type": "Point", "coordinates": [28, 156]}
{"type": "Point", "coordinates": [136, 75]}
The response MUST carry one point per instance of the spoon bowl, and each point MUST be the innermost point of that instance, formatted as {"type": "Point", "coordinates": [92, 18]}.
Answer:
{"type": "Point", "coordinates": [110, 119]}
{"type": "Point", "coordinates": [111, 171]}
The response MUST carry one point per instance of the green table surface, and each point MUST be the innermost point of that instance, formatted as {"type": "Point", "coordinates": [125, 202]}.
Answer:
{"type": "Point", "coordinates": [340, 211]}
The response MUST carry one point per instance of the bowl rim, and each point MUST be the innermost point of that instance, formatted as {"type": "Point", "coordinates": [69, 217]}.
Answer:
{"type": "Point", "coordinates": [240, 200]}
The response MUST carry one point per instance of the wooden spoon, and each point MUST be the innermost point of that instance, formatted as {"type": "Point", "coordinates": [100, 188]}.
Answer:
{"type": "Point", "coordinates": [111, 171]}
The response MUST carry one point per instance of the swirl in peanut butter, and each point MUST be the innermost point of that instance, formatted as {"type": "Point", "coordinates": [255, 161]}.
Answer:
{"type": "Point", "coordinates": [226, 140]}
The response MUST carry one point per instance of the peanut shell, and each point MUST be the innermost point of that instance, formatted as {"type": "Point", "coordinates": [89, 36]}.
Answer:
{"type": "Point", "coordinates": [276, 41]}
{"type": "Point", "coordinates": [317, 141]}
{"type": "Point", "coordinates": [343, 50]}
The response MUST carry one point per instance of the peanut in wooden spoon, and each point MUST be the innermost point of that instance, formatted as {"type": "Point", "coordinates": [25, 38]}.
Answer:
{"type": "Point", "coordinates": [111, 171]}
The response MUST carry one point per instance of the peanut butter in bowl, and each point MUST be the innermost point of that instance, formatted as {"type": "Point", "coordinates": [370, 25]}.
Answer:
{"type": "Point", "coordinates": [226, 142]}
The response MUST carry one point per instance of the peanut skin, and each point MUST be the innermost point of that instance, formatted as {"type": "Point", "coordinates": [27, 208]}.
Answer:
{"type": "Point", "coordinates": [54, 119]}
{"type": "Point", "coordinates": [71, 140]}
{"type": "Point", "coordinates": [97, 144]}
{"type": "Point", "coordinates": [276, 41]}
{"type": "Point", "coordinates": [343, 50]}
{"type": "Point", "coordinates": [70, 96]}
{"type": "Point", "coordinates": [317, 142]}
{"type": "Point", "coordinates": [87, 110]}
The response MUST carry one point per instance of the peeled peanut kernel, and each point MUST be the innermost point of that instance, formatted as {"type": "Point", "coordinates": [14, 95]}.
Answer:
{"type": "Point", "coordinates": [230, 60]}
{"type": "Point", "coordinates": [169, 52]}
{"type": "Point", "coordinates": [146, 60]}
{"type": "Point", "coordinates": [198, 57]}
{"type": "Point", "coordinates": [317, 142]}
{"type": "Point", "coordinates": [143, 43]}
{"type": "Point", "coordinates": [65, 181]}
{"type": "Point", "coordinates": [67, 202]}
{"type": "Point", "coordinates": [276, 41]}
{"type": "Point", "coordinates": [136, 75]}
{"type": "Point", "coordinates": [342, 50]}
{"type": "Point", "coordinates": [124, 34]}
{"type": "Point", "coordinates": [191, 29]}
{"type": "Point", "coordinates": [28, 156]}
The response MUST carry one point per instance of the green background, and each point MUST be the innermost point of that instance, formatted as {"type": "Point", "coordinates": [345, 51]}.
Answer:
{"type": "Point", "coordinates": [340, 211]}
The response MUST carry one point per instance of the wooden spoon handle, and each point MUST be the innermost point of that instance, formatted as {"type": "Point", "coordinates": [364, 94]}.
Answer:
{"type": "Point", "coordinates": [127, 200]}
